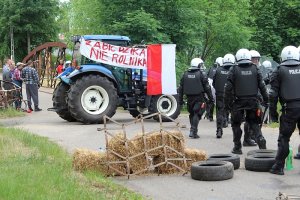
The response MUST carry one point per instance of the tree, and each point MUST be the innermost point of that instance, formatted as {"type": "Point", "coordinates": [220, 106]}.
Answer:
{"type": "Point", "coordinates": [33, 23]}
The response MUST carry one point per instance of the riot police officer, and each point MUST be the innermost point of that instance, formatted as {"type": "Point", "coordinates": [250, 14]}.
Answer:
{"type": "Point", "coordinates": [283, 82]}
{"type": "Point", "coordinates": [244, 81]}
{"type": "Point", "coordinates": [249, 138]}
{"type": "Point", "coordinates": [219, 81]}
{"type": "Point", "coordinates": [194, 85]}
{"type": "Point", "coordinates": [211, 73]}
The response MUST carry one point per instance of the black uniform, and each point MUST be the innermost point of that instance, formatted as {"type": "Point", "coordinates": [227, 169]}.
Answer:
{"type": "Point", "coordinates": [219, 81]}
{"type": "Point", "coordinates": [211, 106]}
{"type": "Point", "coordinates": [284, 82]}
{"type": "Point", "coordinates": [194, 85]}
{"type": "Point", "coordinates": [244, 81]}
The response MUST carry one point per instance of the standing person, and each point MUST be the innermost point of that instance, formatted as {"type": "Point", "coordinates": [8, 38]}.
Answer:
{"type": "Point", "coordinates": [211, 73]}
{"type": "Point", "coordinates": [194, 85]}
{"type": "Point", "coordinates": [60, 67]}
{"type": "Point", "coordinates": [7, 62]}
{"type": "Point", "coordinates": [31, 79]}
{"type": "Point", "coordinates": [219, 81]}
{"type": "Point", "coordinates": [244, 81]}
{"type": "Point", "coordinates": [7, 77]}
{"type": "Point", "coordinates": [255, 57]}
{"type": "Point", "coordinates": [283, 82]}
{"type": "Point", "coordinates": [18, 81]}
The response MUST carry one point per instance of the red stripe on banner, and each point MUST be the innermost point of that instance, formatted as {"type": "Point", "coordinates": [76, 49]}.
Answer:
{"type": "Point", "coordinates": [154, 65]}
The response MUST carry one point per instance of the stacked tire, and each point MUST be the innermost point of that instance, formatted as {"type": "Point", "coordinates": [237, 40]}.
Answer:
{"type": "Point", "coordinates": [216, 168]}
{"type": "Point", "coordinates": [260, 160]}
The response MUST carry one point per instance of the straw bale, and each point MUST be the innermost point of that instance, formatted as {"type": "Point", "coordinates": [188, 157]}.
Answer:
{"type": "Point", "coordinates": [117, 145]}
{"type": "Point", "coordinates": [192, 155]}
{"type": "Point", "coordinates": [155, 139]}
{"type": "Point", "coordinates": [84, 159]}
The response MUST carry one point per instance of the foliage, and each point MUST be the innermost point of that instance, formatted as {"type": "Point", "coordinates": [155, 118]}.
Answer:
{"type": "Point", "coordinates": [10, 112]}
{"type": "Point", "coordinates": [31, 167]}
{"type": "Point", "coordinates": [33, 19]}
{"type": "Point", "coordinates": [277, 25]}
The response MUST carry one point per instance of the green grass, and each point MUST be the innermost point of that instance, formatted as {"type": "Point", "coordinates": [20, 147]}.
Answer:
{"type": "Point", "coordinates": [273, 125]}
{"type": "Point", "coordinates": [32, 167]}
{"type": "Point", "coordinates": [10, 112]}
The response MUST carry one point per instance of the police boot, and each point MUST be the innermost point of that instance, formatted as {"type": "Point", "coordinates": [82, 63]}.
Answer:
{"type": "Point", "coordinates": [196, 136]}
{"type": "Point", "coordinates": [277, 168]}
{"type": "Point", "coordinates": [219, 133]}
{"type": "Point", "coordinates": [237, 149]}
{"type": "Point", "coordinates": [225, 123]}
{"type": "Point", "coordinates": [249, 143]}
{"type": "Point", "coordinates": [261, 143]}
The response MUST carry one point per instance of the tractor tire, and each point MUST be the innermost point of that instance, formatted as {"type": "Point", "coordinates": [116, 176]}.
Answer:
{"type": "Point", "coordinates": [212, 170]}
{"type": "Point", "coordinates": [233, 158]}
{"type": "Point", "coordinates": [167, 105]}
{"type": "Point", "coordinates": [259, 162]}
{"type": "Point", "coordinates": [91, 98]}
{"type": "Point", "coordinates": [59, 99]}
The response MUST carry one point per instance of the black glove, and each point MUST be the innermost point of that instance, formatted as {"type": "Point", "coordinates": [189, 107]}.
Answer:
{"type": "Point", "coordinates": [39, 86]}
{"type": "Point", "coordinates": [211, 101]}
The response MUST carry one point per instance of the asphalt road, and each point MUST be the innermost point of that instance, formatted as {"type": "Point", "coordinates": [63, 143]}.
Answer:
{"type": "Point", "coordinates": [244, 185]}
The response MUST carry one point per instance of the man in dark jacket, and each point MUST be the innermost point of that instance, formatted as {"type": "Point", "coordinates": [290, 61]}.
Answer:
{"type": "Point", "coordinates": [194, 85]}
{"type": "Point", "coordinates": [219, 81]}
{"type": "Point", "coordinates": [283, 82]}
{"type": "Point", "coordinates": [244, 81]}
{"type": "Point", "coordinates": [31, 79]}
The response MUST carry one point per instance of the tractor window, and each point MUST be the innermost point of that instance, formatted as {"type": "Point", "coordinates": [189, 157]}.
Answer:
{"type": "Point", "coordinates": [76, 52]}
{"type": "Point", "coordinates": [123, 43]}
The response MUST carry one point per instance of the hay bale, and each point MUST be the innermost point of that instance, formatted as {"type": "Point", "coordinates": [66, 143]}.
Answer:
{"type": "Point", "coordinates": [84, 159]}
{"type": "Point", "coordinates": [192, 155]}
{"type": "Point", "coordinates": [155, 139]}
{"type": "Point", "coordinates": [117, 144]}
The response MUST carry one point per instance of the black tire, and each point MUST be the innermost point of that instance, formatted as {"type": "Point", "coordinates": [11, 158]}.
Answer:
{"type": "Point", "coordinates": [91, 98]}
{"type": "Point", "coordinates": [166, 104]}
{"type": "Point", "coordinates": [259, 162]}
{"type": "Point", "coordinates": [59, 99]}
{"type": "Point", "coordinates": [262, 151]}
{"type": "Point", "coordinates": [212, 170]}
{"type": "Point", "coordinates": [233, 158]}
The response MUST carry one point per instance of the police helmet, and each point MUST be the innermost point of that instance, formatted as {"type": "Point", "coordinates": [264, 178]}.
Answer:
{"type": "Point", "coordinates": [243, 56]}
{"type": "Point", "coordinates": [267, 65]}
{"type": "Point", "coordinates": [219, 61]}
{"type": "Point", "coordinates": [254, 54]}
{"type": "Point", "coordinates": [228, 59]}
{"type": "Point", "coordinates": [290, 56]}
{"type": "Point", "coordinates": [196, 62]}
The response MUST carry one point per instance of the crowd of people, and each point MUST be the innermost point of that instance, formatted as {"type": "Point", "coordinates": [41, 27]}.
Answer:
{"type": "Point", "coordinates": [241, 90]}
{"type": "Point", "coordinates": [13, 77]}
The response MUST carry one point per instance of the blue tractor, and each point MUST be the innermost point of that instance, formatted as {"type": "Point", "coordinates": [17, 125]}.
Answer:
{"type": "Point", "coordinates": [95, 89]}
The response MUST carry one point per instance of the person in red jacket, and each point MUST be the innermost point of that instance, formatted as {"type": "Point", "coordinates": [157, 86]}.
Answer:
{"type": "Point", "coordinates": [60, 67]}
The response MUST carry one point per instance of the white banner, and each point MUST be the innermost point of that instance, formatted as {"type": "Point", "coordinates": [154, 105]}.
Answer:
{"type": "Point", "coordinates": [114, 55]}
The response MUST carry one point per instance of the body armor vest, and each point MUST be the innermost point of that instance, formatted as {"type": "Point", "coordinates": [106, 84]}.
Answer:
{"type": "Point", "coordinates": [192, 84]}
{"type": "Point", "coordinates": [221, 79]}
{"type": "Point", "coordinates": [290, 80]}
{"type": "Point", "coordinates": [246, 84]}
{"type": "Point", "coordinates": [212, 72]}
